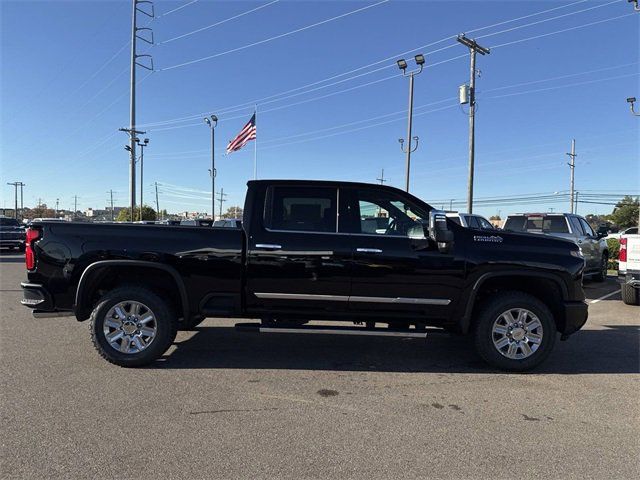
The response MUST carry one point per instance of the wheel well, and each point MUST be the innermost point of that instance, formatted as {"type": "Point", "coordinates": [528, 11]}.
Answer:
{"type": "Point", "coordinates": [544, 289]}
{"type": "Point", "coordinates": [107, 278]}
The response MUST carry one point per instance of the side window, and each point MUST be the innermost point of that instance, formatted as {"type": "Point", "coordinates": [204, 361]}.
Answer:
{"type": "Point", "coordinates": [382, 213]}
{"type": "Point", "coordinates": [485, 225]}
{"type": "Point", "coordinates": [472, 222]}
{"type": "Point", "coordinates": [576, 227]}
{"type": "Point", "coordinates": [586, 227]}
{"type": "Point", "coordinates": [301, 209]}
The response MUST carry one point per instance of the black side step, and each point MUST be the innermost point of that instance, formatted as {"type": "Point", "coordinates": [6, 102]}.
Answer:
{"type": "Point", "coordinates": [335, 330]}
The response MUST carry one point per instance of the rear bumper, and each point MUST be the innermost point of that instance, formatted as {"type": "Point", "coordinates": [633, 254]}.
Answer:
{"type": "Point", "coordinates": [5, 242]}
{"type": "Point", "coordinates": [36, 296]}
{"type": "Point", "coordinates": [629, 278]}
{"type": "Point", "coordinates": [575, 315]}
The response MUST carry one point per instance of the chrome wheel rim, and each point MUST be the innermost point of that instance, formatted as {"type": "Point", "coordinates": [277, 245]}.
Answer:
{"type": "Point", "coordinates": [130, 327]}
{"type": "Point", "coordinates": [517, 333]}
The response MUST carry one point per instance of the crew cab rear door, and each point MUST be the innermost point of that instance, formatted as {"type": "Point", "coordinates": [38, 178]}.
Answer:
{"type": "Point", "coordinates": [392, 274]}
{"type": "Point", "coordinates": [297, 262]}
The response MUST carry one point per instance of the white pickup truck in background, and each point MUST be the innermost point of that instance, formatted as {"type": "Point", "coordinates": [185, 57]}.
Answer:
{"type": "Point", "coordinates": [629, 268]}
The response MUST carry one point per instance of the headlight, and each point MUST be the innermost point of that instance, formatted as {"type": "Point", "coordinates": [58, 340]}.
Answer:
{"type": "Point", "coordinates": [577, 253]}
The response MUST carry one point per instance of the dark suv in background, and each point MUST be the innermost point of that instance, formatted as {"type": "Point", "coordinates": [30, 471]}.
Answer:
{"type": "Point", "coordinates": [12, 234]}
{"type": "Point", "coordinates": [571, 227]}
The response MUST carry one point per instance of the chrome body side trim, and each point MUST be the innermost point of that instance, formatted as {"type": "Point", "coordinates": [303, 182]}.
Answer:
{"type": "Point", "coordinates": [344, 298]}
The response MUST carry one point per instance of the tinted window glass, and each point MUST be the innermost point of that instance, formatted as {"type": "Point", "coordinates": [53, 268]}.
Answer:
{"type": "Point", "coordinates": [555, 224]}
{"type": "Point", "coordinates": [301, 209]}
{"type": "Point", "coordinates": [382, 213]}
{"type": "Point", "coordinates": [576, 227]}
{"type": "Point", "coordinates": [586, 227]}
{"type": "Point", "coordinates": [9, 222]}
{"type": "Point", "coordinates": [455, 219]}
{"type": "Point", "coordinates": [472, 222]}
{"type": "Point", "coordinates": [484, 224]}
{"type": "Point", "coordinates": [515, 223]}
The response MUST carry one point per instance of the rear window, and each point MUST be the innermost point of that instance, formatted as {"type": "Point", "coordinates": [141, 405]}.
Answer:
{"type": "Point", "coordinates": [538, 223]}
{"type": "Point", "coordinates": [9, 222]}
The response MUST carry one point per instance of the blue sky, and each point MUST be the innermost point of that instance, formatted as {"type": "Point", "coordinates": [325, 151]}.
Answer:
{"type": "Point", "coordinates": [65, 94]}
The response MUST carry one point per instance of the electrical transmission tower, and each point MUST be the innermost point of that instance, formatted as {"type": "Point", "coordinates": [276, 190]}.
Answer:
{"type": "Point", "coordinates": [132, 112]}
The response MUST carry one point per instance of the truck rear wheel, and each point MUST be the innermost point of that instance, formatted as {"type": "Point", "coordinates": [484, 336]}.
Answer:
{"type": "Point", "coordinates": [514, 331]}
{"type": "Point", "coordinates": [630, 295]}
{"type": "Point", "coordinates": [132, 326]}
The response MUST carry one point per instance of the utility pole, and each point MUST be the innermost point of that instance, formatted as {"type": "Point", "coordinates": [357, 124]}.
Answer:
{"type": "Point", "coordinates": [57, 203]}
{"type": "Point", "coordinates": [21, 200]}
{"type": "Point", "coordinates": [132, 107]}
{"type": "Point", "coordinates": [402, 65]}
{"type": "Point", "coordinates": [157, 202]}
{"type": "Point", "coordinates": [572, 167]}
{"type": "Point", "coordinates": [221, 199]}
{"type": "Point", "coordinates": [576, 208]}
{"type": "Point", "coordinates": [382, 179]}
{"type": "Point", "coordinates": [473, 49]}
{"type": "Point", "coordinates": [111, 199]}
{"type": "Point", "coordinates": [75, 205]}
{"type": "Point", "coordinates": [15, 187]}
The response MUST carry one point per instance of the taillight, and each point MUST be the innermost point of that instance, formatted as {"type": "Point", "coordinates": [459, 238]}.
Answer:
{"type": "Point", "coordinates": [622, 256]}
{"type": "Point", "coordinates": [29, 256]}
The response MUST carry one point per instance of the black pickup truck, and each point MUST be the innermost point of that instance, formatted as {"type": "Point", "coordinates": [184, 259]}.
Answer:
{"type": "Point", "coordinates": [371, 255]}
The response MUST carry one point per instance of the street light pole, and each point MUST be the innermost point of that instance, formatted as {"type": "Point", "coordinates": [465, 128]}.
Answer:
{"type": "Point", "coordinates": [142, 145]}
{"type": "Point", "coordinates": [402, 65]}
{"type": "Point", "coordinates": [212, 122]}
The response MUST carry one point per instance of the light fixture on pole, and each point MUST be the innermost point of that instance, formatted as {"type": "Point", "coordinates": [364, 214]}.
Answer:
{"type": "Point", "coordinates": [402, 65]}
{"type": "Point", "coordinates": [212, 121]}
{"type": "Point", "coordinates": [631, 101]}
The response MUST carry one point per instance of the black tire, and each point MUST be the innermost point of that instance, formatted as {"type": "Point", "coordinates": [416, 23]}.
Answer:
{"type": "Point", "coordinates": [601, 276]}
{"type": "Point", "coordinates": [493, 308]}
{"type": "Point", "coordinates": [165, 324]}
{"type": "Point", "coordinates": [630, 295]}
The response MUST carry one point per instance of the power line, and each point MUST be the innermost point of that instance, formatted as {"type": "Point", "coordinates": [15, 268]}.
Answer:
{"type": "Point", "coordinates": [262, 100]}
{"type": "Point", "coordinates": [276, 37]}
{"type": "Point", "coordinates": [218, 23]}
{"type": "Point", "coordinates": [177, 9]}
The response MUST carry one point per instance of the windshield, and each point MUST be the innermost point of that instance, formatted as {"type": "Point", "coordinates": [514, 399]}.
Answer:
{"type": "Point", "coordinates": [9, 222]}
{"type": "Point", "coordinates": [537, 223]}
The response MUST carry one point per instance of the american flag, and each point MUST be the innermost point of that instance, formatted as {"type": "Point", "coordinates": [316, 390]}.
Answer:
{"type": "Point", "coordinates": [247, 133]}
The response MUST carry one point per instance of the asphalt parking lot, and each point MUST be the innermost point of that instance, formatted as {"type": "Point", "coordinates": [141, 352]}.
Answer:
{"type": "Point", "coordinates": [224, 404]}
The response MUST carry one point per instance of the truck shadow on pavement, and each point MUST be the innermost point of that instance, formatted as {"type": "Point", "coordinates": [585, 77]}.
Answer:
{"type": "Point", "coordinates": [614, 349]}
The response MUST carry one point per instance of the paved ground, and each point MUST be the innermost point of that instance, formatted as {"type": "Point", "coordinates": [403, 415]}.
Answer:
{"type": "Point", "coordinates": [237, 405]}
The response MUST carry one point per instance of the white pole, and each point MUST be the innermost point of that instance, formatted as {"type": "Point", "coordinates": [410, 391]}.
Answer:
{"type": "Point", "coordinates": [255, 145]}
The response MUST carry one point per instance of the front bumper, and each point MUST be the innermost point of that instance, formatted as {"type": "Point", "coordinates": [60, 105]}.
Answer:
{"type": "Point", "coordinates": [575, 316]}
{"type": "Point", "coordinates": [629, 278]}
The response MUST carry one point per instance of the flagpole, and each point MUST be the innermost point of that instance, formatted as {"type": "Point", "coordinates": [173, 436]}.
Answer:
{"type": "Point", "coordinates": [255, 145]}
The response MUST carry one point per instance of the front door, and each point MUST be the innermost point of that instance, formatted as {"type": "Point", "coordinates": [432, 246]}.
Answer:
{"type": "Point", "coordinates": [392, 274]}
{"type": "Point", "coordinates": [297, 262]}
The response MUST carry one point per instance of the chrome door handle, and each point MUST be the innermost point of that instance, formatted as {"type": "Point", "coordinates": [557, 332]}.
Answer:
{"type": "Point", "coordinates": [368, 250]}
{"type": "Point", "coordinates": [268, 246]}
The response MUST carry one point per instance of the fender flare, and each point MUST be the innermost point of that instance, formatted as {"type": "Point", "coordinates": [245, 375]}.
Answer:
{"type": "Point", "coordinates": [94, 268]}
{"type": "Point", "coordinates": [465, 320]}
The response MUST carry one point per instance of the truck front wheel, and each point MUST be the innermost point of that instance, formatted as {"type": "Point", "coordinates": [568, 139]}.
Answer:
{"type": "Point", "coordinates": [132, 326]}
{"type": "Point", "coordinates": [514, 331]}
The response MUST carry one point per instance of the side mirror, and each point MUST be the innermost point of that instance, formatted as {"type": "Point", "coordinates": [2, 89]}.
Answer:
{"type": "Point", "coordinates": [439, 230]}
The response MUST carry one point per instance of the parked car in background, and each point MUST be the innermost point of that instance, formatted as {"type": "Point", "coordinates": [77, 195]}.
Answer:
{"type": "Point", "coordinates": [618, 235]}
{"type": "Point", "coordinates": [571, 227]}
{"type": "Point", "coordinates": [12, 234]}
{"type": "Point", "coordinates": [470, 220]}
{"type": "Point", "coordinates": [228, 223]}
{"type": "Point", "coordinates": [629, 267]}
